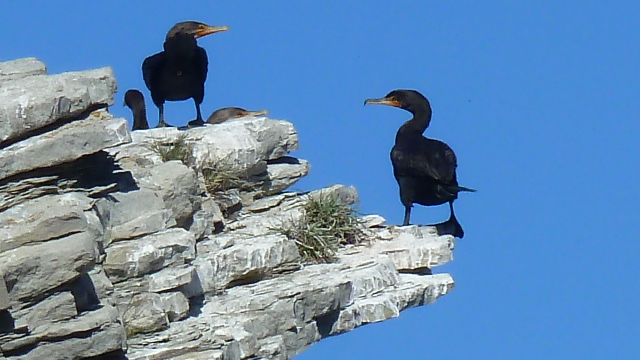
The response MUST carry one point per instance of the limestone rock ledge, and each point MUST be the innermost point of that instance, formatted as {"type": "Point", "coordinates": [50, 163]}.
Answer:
{"type": "Point", "coordinates": [109, 252]}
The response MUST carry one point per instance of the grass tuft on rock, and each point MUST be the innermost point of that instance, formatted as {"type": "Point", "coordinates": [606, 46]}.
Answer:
{"type": "Point", "coordinates": [176, 150]}
{"type": "Point", "coordinates": [326, 224]}
{"type": "Point", "coordinates": [220, 176]}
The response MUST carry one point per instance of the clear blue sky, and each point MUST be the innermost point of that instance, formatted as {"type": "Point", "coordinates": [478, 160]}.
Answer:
{"type": "Point", "coordinates": [540, 100]}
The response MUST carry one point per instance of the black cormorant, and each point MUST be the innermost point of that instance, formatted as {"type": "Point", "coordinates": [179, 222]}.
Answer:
{"type": "Point", "coordinates": [179, 72]}
{"type": "Point", "coordinates": [425, 169]}
{"type": "Point", "coordinates": [224, 114]}
{"type": "Point", "coordinates": [134, 100]}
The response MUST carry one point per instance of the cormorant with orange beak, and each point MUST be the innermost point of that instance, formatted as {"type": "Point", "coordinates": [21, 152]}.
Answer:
{"type": "Point", "coordinates": [179, 72]}
{"type": "Point", "coordinates": [424, 168]}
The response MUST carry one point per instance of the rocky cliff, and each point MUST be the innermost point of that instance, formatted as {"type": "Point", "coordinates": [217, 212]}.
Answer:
{"type": "Point", "coordinates": [111, 250]}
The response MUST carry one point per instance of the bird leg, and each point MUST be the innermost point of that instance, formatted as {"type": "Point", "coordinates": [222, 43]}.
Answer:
{"type": "Point", "coordinates": [198, 121]}
{"type": "Point", "coordinates": [161, 122]}
{"type": "Point", "coordinates": [407, 215]}
{"type": "Point", "coordinates": [451, 226]}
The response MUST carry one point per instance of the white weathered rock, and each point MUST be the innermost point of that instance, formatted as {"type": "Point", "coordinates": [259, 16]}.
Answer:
{"type": "Point", "coordinates": [21, 68]}
{"type": "Point", "coordinates": [344, 194]}
{"type": "Point", "coordinates": [45, 218]}
{"type": "Point", "coordinates": [134, 258]}
{"type": "Point", "coordinates": [272, 348]}
{"type": "Point", "coordinates": [36, 269]}
{"type": "Point", "coordinates": [32, 102]}
{"type": "Point", "coordinates": [170, 278]}
{"type": "Point", "coordinates": [415, 248]}
{"type": "Point", "coordinates": [249, 260]}
{"type": "Point", "coordinates": [66, 143]}
{"type": "Point", "coordinates": [176, 305]}
{"type": "Point", "coordinates": [280, 176]}
{"type": "Point", "coordinates": [317, 301]}
{"type": "Point", "coordinates": [370, 221]}
{"type": "Point", "coordinates": [242, 143]}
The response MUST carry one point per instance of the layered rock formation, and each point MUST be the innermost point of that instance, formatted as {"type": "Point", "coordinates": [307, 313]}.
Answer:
{"type": "Point", "coordinates": [107, 251]}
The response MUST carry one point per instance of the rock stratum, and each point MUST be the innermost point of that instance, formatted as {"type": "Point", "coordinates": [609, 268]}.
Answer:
{"type": "Point", "coordinates": [109, 252]}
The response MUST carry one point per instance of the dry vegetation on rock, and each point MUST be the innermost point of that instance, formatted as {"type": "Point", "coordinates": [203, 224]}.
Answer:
{"type": "Point", "coordinates": [326, 224]}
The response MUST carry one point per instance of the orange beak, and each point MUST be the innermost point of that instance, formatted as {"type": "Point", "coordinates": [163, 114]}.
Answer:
{"type": "Point", "coordinates": [208, 30]}
{"type": "Point", "coordinates": [256, 113]}
{"type": "Point", "coordinates": [384, 101]}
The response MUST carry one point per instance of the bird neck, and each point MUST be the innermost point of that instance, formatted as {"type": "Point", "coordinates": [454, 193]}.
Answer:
{"type": "Point", "coordinates": [180, 47]}
{"type": "Point", "coordinates": [140, 118]}
{"type": "Point", "coordinates": [418, 124]}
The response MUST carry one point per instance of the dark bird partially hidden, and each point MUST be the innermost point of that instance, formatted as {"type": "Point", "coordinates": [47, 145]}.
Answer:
{"type": "Point", "coordinates": [134, 100]}
{"type": "Point", "coordinates": [424, 168]}
{"type": "Point", "coordinates": [221, 115]}
{"type": "Point", "coordinates": [228, 113]}
{"type": "Point", "coordinates": [179, 72]}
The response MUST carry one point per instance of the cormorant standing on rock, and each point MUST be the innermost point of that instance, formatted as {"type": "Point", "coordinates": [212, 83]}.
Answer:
{"type": "Point", "coordinates": [425, 169]}
{"type": "Point", "coordinates": [134, 100]}
{"type": "Point", "coordinates": [179, 72]}
{"type": "Point", "coordinates": [224, 114]}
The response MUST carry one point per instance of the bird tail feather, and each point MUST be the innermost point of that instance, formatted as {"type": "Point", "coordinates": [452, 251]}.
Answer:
{"type": "Point", "coordinates": [462, 188]}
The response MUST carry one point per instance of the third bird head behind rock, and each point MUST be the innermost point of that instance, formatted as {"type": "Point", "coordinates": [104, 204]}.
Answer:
{"type": "Point", "coordinates": [179, 72]}
{"type": "Point", "coordinates": [134, 100]}
{"type": "Point", "coordinates": [424, 168]}
{"type": "Point", "coordinates": [221, 115]}
{"type": "Point", "coordinates": [228, 113]}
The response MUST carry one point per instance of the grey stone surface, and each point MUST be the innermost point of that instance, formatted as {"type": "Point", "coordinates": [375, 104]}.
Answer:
{"type": "Point", "coordinates": [149, 254]}
{"type": "Point", "coordinates": [64, 144]}
{"type": "Point", "coordinates": [145, 314]}
{"type": "Point", "coordinates": [30, 271]}
{"type": "Point", "coordinates": [101, 283]}
{"type": "Point", "coordinates": [21, 68]}
{"type": "Point", "coordinates": [178, 186]}
{"type": "Point", "coordinates": [133, 214]}
{"type": "Point", "coordinates": [106, 334]}
{"type": "Point", "coordinates": [35, 101]}
{"type": "Point", "coordinates": [170, 278]}
{"type": "Point", "coordinates": [176, 305]}
{"type": "Point", "coordinates": [44, 218]}
{"type": "Point", "coordinates": [5, 303]}
{"type": "Point", "coordinates": [208, 219]}
{"type": "Point", "coordinates": [55, 308]}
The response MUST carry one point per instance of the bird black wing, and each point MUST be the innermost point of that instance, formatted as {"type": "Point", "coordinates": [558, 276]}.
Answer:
{"type": "Point", "coordinates": [427, 158]}
{"type": "Point", "coordinates": [150, 68]}
{"type": "Point", "coordinates": [202, 63]}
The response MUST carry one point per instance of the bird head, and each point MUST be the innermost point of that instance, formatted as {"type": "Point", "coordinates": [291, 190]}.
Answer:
{"type": "Point", "coordinates": [195, 29]}
{"type": "Point", "coordinates": [224, 114]}
{"type": "Point", "coordinates": [410, 100]}
{"type": "Point", "coordinates": [133, 98]}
